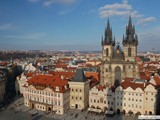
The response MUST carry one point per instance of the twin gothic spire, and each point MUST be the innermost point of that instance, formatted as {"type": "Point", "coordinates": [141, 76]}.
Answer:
{"type": "Point", "coordinates": [129, 38]}
{"type": "Point", "coordinates": [108, 39]}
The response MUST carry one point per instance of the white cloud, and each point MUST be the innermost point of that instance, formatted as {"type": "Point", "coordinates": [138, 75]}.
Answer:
{"type": "Point", "coordinates": [145, 20]}
{"type": "Point", "coordinates": [117, 9]}
{"type": "Point", "coordinates": [6, 27]}
{"type": "Point", "coordinates": [116, 6]}
{"type": "Point", "coordinates": [123, 9]}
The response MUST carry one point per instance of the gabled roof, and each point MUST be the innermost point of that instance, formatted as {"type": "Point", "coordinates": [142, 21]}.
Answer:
{"type": "Point", "coordinates": [79, 76]}
{"type": "Point", "coordinates": [49, 81]}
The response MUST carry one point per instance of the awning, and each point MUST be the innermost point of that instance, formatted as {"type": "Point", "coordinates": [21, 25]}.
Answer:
{"type": "Point", "coordinates": [94, 110]}
{"type": "Point", "coordinates": [109, 112]}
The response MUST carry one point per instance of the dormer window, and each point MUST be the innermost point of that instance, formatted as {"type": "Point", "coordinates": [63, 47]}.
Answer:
{"type": "Point", "coordinates": [57, 88]}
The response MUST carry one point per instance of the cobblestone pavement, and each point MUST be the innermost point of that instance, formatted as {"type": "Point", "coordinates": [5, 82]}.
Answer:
{"type": "Point", "coordinates": [17, 111]}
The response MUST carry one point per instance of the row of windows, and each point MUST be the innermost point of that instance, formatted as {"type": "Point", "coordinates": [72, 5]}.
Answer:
{"type": "Point", "coordinates": [44, 100]}
{"type": "Point", "coordinates": [40, 107]}
{"type": "Point", "coordinates": [44, 93]}
{"type": "Point", "coordinates": [147, 98]}
{"type": "Point", "coordinates": [100, 101]}
{"type": "Point", "coordinates": [77, 90]}
{"type": "Point", "coordinates": [77, 98]}
{"type": "Point", "coordinates": [133, 105]}
{"type": "Point", "coordinates": [137, 94]}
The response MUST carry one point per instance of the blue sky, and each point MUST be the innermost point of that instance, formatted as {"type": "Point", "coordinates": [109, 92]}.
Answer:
{"type": "Point", "coordinates": [75, 24]}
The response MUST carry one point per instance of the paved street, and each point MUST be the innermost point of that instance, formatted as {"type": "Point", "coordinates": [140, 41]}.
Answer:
{"type": "Point", "coordinates": [17, 111]}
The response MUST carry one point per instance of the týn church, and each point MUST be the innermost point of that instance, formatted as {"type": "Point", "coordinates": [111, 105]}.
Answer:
{"type": "Point", "coordinates": [118, 63]}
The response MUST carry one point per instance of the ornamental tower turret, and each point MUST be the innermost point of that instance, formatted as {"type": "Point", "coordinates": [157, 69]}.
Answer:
{"type": "Point", "coordinates": [107, 43]}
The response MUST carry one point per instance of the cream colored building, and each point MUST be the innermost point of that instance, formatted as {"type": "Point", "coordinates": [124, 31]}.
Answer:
{"type": "Point", "coordinates": [118, 64]}
{"type": "Point", "coordinates": [22, 80]}
{"type": "Point", "coordinates": [101, 97]}
{"type": "Point", "coordinates": [47, 93]}
{"type": "Point", "coordinates": [79, 90]}
{"type": "Point", "coordinates": [137, 97]}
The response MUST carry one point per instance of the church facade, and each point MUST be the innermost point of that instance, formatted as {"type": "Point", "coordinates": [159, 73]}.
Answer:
{"type": "Point", "coordinates": [118, 64]}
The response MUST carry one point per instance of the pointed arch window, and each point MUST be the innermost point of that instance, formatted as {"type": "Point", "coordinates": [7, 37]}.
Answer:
{"type": "Point", "coordinates": [129, 52]}
{"type": "Point", "coordinates": [107, 52]}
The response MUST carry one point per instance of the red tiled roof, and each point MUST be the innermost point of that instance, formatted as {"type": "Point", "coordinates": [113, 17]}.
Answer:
{"type": "Point", "coordinates": [144, 75]}
{"type": "Point", "coordinates": [157, 79]}
{"type": "Point", "coordinates": [95, 75]}
{"type": "Point", "coordinates": [134, 85]}
{"type": "Point", "coordinates": [49, 80]}
{"type": "Point", "coordinates": [101, 88]}
{"type": "Point", "coordinates": [131, 84]}
{"type": "Point", "coordinates": [66, 75]}
{"type": "Point", "coordinates": [30, 74]}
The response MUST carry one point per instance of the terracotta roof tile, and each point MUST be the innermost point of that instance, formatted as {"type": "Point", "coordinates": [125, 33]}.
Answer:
{"type": "Point", "coordinates": [49, 80]}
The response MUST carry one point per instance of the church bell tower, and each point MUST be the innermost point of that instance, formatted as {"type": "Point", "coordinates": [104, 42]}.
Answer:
{"type": "Point", "coordinates": [130, 42]}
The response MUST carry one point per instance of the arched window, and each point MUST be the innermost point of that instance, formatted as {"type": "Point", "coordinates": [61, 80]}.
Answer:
{"type": "Point", "coordinates": [129, 52]}
{"type": "Point", "coordinates": [107, 52]}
